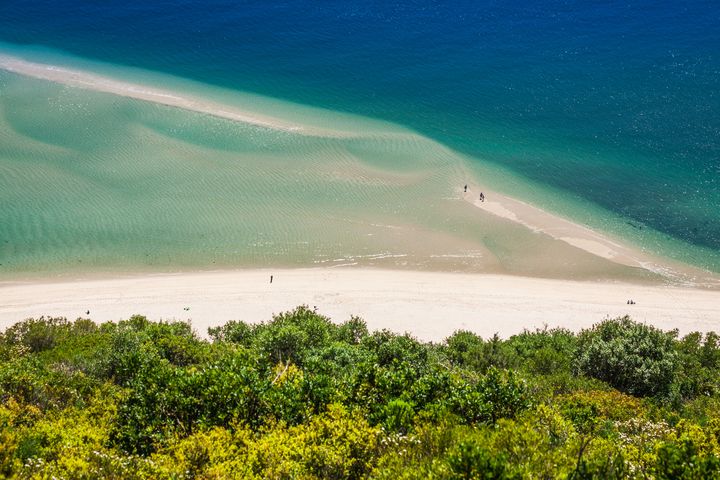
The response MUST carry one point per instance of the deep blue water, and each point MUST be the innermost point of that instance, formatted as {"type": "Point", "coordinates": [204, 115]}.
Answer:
{"type": "Point", "coordinates": [615, 102]}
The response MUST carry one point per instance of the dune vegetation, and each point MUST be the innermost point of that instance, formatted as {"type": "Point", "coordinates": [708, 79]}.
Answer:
{"type": "Point", "coordinates": [302, 397]}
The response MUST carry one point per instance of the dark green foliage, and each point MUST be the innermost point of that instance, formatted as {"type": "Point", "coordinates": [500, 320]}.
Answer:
{"type": "Point", "coordinates": [431, 389]}
{"type": "Point", "coordinates": [37, 335]}
{"type": "Point", "coordinates": [498, 394]}
{"type": "Point", "coordinates": [698, 363]}
{"type": "Point", "coordinates": [682, 461]}
{"type": "Point", "coordinates": [471, 461]}
{"type": "Point", "coordinates": [543, 352]}
{"type": "Point", "coordinates": [353, 331]}
{"type": "Point", "coordinates": [176, 342]}
{"type": "Point", "coordinates": [166, 401]}
{"type": "Point", "coordinates": [233, 332]}
{"type": "Point", "coordinates": [301, 397]}
{"type": "Point", "coordinates": [290, 336]}
{"type": "Point", "coordinates": [129, 354]}
{"type": "Point", "coordinates": [605, 467]}
{"type": "Point", "coordinates": [710, 351]}
{"type": "Point", "coordinates": [634, 358]}
{"type": "Point", "coordinates": [283, 343]}
{"type": "Point", "coordinates": [391, 349]}
{"type": "Point", "coordinates": [33, 382]}
{"type": "Point", "coordinates": [464, 348]}
{"type": "Point", "coordinates": [505, 394]}
{"type": "Point", "coordinates": [136, 345]}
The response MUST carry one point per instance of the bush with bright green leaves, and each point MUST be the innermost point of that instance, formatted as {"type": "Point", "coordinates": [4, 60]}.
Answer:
{"type": "Point", "coordinates": [300, 396]}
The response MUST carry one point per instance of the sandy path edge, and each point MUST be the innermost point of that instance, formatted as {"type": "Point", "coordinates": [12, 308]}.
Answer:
{"type": "Point", "coordinates": [429, 305]}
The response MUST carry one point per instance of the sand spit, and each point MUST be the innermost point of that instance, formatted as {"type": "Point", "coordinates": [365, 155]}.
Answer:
{"type": "Point", "coordinates": [429, 305]}
{"type": "Point", "coordinates": [579, 236]}
{"type": "Point", "coordinates": [99, 83]}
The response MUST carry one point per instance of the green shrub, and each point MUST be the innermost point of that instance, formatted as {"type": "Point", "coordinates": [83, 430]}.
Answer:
{"type": "Point", "coordinates": [634, 358]}
{"type": "Point", "coordinates": [498, 394]}
{"type": "Point", "coordinates": [544, 351]}
{"type": "Point", "coordinates": [301, 397]}
{"type": "Point", "coordinates": [698, 361]}
{"type": "Point", "coordinates": [463, 347]}
{"type": "Point", "coordinates": [398, 416]}
{"type": "Point", "coordinates": [353, 331]}
{"type": "Point", "coordinates": [37, 334]}
{"type": "Point", "coordinates": [391, 349]}
{"type": "Point", "coordinates": [682, 461]}
{"type": "Point", "coordinates": [233, 332]}
{"type": "Point", "coordinates": [471, 461]}
{"type": "Point", "coordinates": [468, 350]}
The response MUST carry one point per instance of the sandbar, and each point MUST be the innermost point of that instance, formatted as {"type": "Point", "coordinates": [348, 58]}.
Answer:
{"type": "Point", "coordinates": [99, 83]}
{"type": "Point", "coordinates": [579, 236]}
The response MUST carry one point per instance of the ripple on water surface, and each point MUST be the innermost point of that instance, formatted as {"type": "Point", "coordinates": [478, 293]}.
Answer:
{"type": "Point", "coordinates": [95, 181]}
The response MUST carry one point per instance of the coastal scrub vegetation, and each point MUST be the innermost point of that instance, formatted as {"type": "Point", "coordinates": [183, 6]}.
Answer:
{"type": "Point", "coordinates": [302, 397]}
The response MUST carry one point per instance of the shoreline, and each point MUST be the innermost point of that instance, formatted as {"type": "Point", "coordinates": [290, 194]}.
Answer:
{"type": "Point", "coordinates": [502, 206]}
{"type": "Point", "coordinates": [579, 236]}
{"type": "Point", "coordinates": [428, 305]}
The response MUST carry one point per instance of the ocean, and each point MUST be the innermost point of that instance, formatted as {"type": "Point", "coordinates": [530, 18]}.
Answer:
{"type": "Point", "coordinates": [603, 112]}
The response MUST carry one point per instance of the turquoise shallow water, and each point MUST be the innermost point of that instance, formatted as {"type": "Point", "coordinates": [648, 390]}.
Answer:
{"type": "Point", "coordinates": [603, 113]}
{"type": "Point", "coordinates": [93, 181]}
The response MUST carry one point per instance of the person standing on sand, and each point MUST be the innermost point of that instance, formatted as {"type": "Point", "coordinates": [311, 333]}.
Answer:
{"type": "Point", "coordinates": [271, 277]}
{"type": "Point", "coordinates": [482, 197]}
{"type": "Point", "coordinates": [465, 188]}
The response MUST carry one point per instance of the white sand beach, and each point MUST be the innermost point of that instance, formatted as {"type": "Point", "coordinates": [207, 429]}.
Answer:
{"type": "Point", "coordinates": [429, 305]}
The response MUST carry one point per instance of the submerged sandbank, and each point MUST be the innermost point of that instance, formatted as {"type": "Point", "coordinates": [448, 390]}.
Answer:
{"type": "Point", "coordinates": [100, 83]}
{"type": "Point", "coordinates": [438, 171]}
{"type": "Point", "coordinates": [429, 305]}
